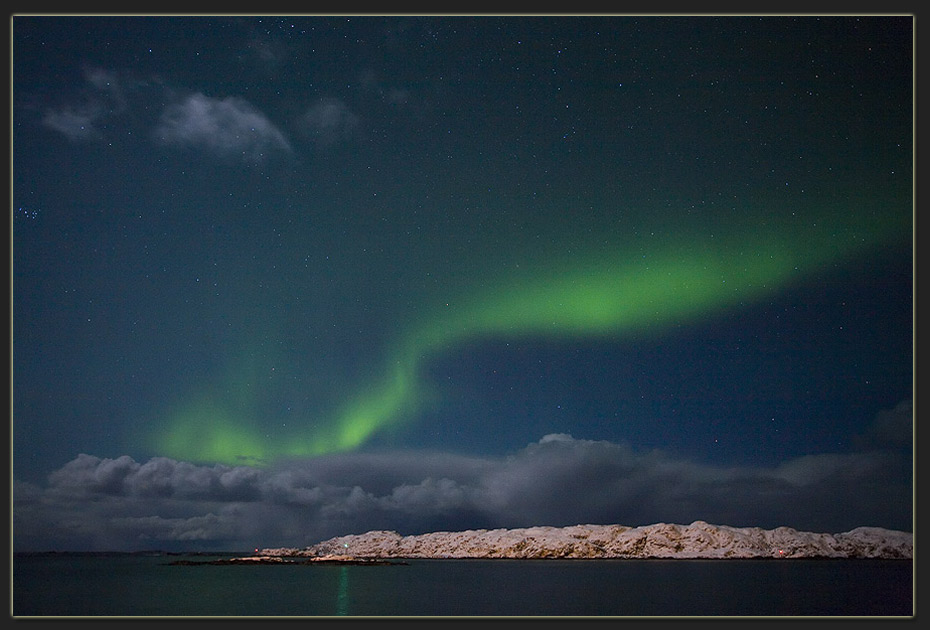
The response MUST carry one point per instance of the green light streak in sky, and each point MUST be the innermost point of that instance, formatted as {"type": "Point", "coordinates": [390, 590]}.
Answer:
{"type": "Point", "coordinates": [206, 431]}
{"type": "Point", "coordinates": [607, 293]}
{"type": "Point", "coordinates": [392, 398]}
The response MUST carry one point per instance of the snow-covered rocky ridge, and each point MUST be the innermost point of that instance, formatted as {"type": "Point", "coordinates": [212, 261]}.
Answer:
{"type": "Point", "coordinates": [662, 540]}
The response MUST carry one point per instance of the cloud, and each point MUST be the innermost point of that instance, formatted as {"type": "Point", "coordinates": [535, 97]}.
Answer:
{"type": "Point", "coordinates": [112, 504]}
{"type": "Point", "coordinates": [76, 124]}
{"type": "Point", "coordinates": [894, 427]}
{"type": "Point", "coordinates": [269, 52]}
{"type": "Point", "coordinates": [88, 476]}
{"type": "Point", "coordinates": [108, 84]}
{"type": "Point", "coordinates": [100, 100]}
{"type": "Point", "coordinates": [328, 121]}
{"type": "Point", "coordinates": [196, 528]}
{"type": "Point", "coordinates": [228, 127]}
{"type": "Point", "coordinates": [393, 95]}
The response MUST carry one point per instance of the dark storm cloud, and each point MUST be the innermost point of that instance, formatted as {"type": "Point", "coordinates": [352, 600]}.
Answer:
{"type": "Point", "coordinates": [123, 504]}
{"type": "Point", "coordinates": [87, 475]}
{"type": "Point", "coordinates": [227, 126]}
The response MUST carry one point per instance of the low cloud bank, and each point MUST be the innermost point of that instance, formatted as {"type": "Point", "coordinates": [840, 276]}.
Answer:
{"type": "Point", "coordinates": [95, 503]}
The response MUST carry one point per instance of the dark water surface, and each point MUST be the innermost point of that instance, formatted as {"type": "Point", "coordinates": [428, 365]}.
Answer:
{"type": "Point", "coordinates": [133, 585]}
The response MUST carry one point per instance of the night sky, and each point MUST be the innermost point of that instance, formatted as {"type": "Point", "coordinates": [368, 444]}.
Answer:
{"type": "Point", "coordinates": [276, 279]}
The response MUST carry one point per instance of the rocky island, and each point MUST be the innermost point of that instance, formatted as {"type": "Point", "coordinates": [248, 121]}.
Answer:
{"type": "Point", "coordinates": [661, 540]}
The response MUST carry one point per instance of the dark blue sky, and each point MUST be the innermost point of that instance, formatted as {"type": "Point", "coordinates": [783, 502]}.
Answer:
{"type": "Point", "coordinates": [271, 248]}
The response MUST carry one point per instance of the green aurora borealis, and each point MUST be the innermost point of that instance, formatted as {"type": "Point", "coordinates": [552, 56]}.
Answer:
{"type": "Point", "coordinates": [615, 291]}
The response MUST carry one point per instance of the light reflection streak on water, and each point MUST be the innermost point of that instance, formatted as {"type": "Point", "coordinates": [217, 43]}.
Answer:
{"type": "Point", "coordinates": [342, 592]}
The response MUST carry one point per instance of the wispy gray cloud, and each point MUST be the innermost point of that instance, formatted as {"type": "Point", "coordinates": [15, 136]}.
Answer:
{"type": "Point", "coordinates": [225, 126]}
{"type": "Point", "coordinates": [101, 99]}
{"type": "Point", "coordinates": [329, 120]}
{"type": "Point", "coordinates": [76, 123]}
{"type": "Point", "coordinates": [228, 126]}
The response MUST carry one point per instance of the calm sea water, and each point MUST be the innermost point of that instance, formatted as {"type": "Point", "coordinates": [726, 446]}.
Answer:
{"type": "Point", "coordinates": [132, 585]}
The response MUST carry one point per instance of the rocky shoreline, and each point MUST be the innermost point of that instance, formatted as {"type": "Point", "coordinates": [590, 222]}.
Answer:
{"type": "Point", "coordinates": [662, 540]}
